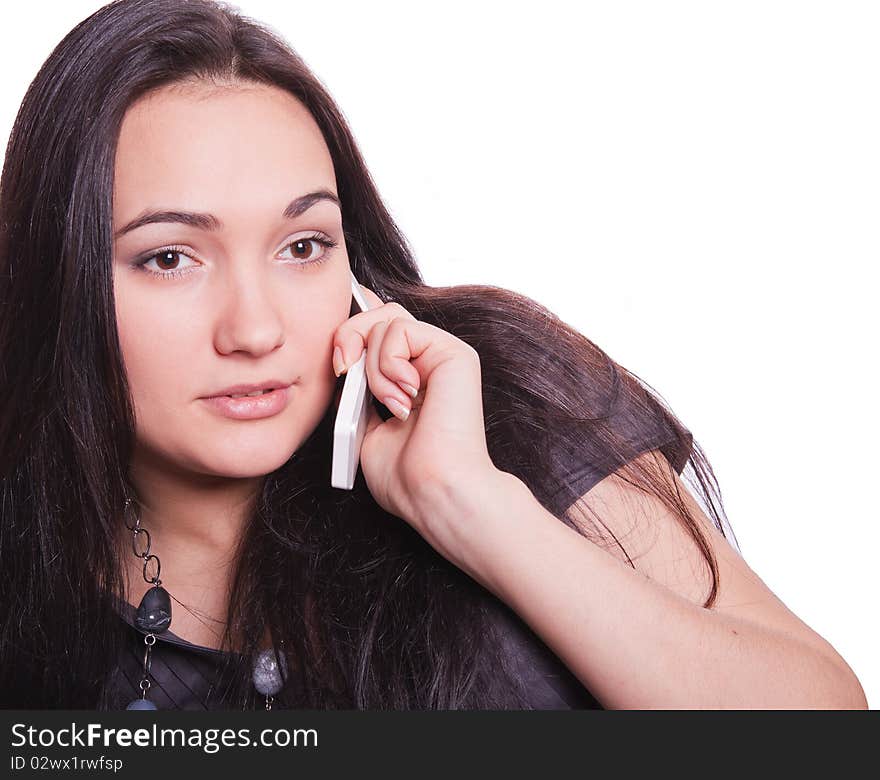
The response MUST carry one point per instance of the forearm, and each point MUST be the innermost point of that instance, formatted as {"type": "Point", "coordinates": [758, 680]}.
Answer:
{"type": "Point", "coordinates": [632, 642]}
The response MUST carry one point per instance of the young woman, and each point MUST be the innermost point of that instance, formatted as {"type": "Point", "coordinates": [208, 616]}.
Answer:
{"type": "Point", "coordinates": [181, 211]}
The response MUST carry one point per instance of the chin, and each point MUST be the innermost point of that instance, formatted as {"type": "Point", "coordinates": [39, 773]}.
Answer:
{"type": "Point", "coordinates": [240, 465]}
{"type": "Point", "coordinates": [245, 455]}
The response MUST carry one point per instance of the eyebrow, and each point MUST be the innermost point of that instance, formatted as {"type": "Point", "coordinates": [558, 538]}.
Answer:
{"type": "Point", "coordinates": [209, 222]}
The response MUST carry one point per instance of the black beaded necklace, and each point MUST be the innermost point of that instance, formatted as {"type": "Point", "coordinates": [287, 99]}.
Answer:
{"type": "Point", "coordinates": [154, 617]}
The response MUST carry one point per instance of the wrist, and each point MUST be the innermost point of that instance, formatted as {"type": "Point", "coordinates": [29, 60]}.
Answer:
{"type": "Point", "coordinates": [463, 517]}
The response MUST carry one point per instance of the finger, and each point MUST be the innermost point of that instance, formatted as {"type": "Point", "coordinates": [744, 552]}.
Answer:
{"type": "Point", "coordinates": [383, 388]}
{"type": "Point", "coordinates": [394, 360]}
{"type": "Point", "coordinates": [351, 336]}
{"type": "Point", "coordinates": [373, 299]}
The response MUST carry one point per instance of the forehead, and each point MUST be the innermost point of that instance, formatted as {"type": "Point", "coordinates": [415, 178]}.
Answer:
{"type": "Point", "coordinates": [239, 147]}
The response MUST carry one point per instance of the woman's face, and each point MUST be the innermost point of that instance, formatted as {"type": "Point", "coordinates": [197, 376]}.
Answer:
{"type": "Point", "coordinates": [246, 295]}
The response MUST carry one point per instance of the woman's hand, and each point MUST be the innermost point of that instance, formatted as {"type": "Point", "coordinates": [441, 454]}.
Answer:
{"type": "Point", "coordinates": [407, 460]}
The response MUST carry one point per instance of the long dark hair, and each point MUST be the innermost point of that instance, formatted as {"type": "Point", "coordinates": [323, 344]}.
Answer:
{"type": "Point", "coordinates": [373, 617]}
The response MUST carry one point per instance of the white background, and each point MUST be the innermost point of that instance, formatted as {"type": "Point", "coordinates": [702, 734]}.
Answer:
{"type": "Point", "coordinates": [693, 185]}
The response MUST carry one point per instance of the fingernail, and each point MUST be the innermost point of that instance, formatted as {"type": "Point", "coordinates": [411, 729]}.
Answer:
{"type": "Point", "coordinates": [408, 388]}
{"type": "Point", "coordinates": [338, 361]}
{"type": "Point", "coordinates": [397, 408]}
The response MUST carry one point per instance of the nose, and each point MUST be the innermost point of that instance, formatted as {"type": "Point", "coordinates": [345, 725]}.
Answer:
{"type": "Point", "coordinates": [248, 314]}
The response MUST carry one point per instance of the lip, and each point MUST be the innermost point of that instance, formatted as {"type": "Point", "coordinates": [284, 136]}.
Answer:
{"type": "Point", "coordinates": [236, 389]}
{"type": "Point", "coordinates": [266, 405]}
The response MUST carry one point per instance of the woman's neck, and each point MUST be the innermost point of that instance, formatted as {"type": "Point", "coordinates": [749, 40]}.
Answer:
{"type": "Point", "coordinates": [195, 527]}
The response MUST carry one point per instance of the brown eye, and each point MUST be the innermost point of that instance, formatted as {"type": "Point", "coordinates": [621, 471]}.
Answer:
{"type": "Point", "coordinates": [311, 250]}
{"type": "Point", "coordinates": [300, 248]}
{"type": "Point", "coordinates": [168, 260]}
{"type": "Point", "coordinates": [168, 263]}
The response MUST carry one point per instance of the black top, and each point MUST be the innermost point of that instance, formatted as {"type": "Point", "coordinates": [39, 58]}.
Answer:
{"type": "Point", "coordinates": [183, 674]}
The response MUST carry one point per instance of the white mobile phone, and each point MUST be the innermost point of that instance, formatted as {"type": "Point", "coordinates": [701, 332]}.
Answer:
{"type": "Point", "coordinates": [351, 416]}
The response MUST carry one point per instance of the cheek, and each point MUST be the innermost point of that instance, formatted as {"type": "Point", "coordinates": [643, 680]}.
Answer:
{"type": "Point", "coordinates": [313, 325]}
{"type": "Point", "coordinates": [158, 353]}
